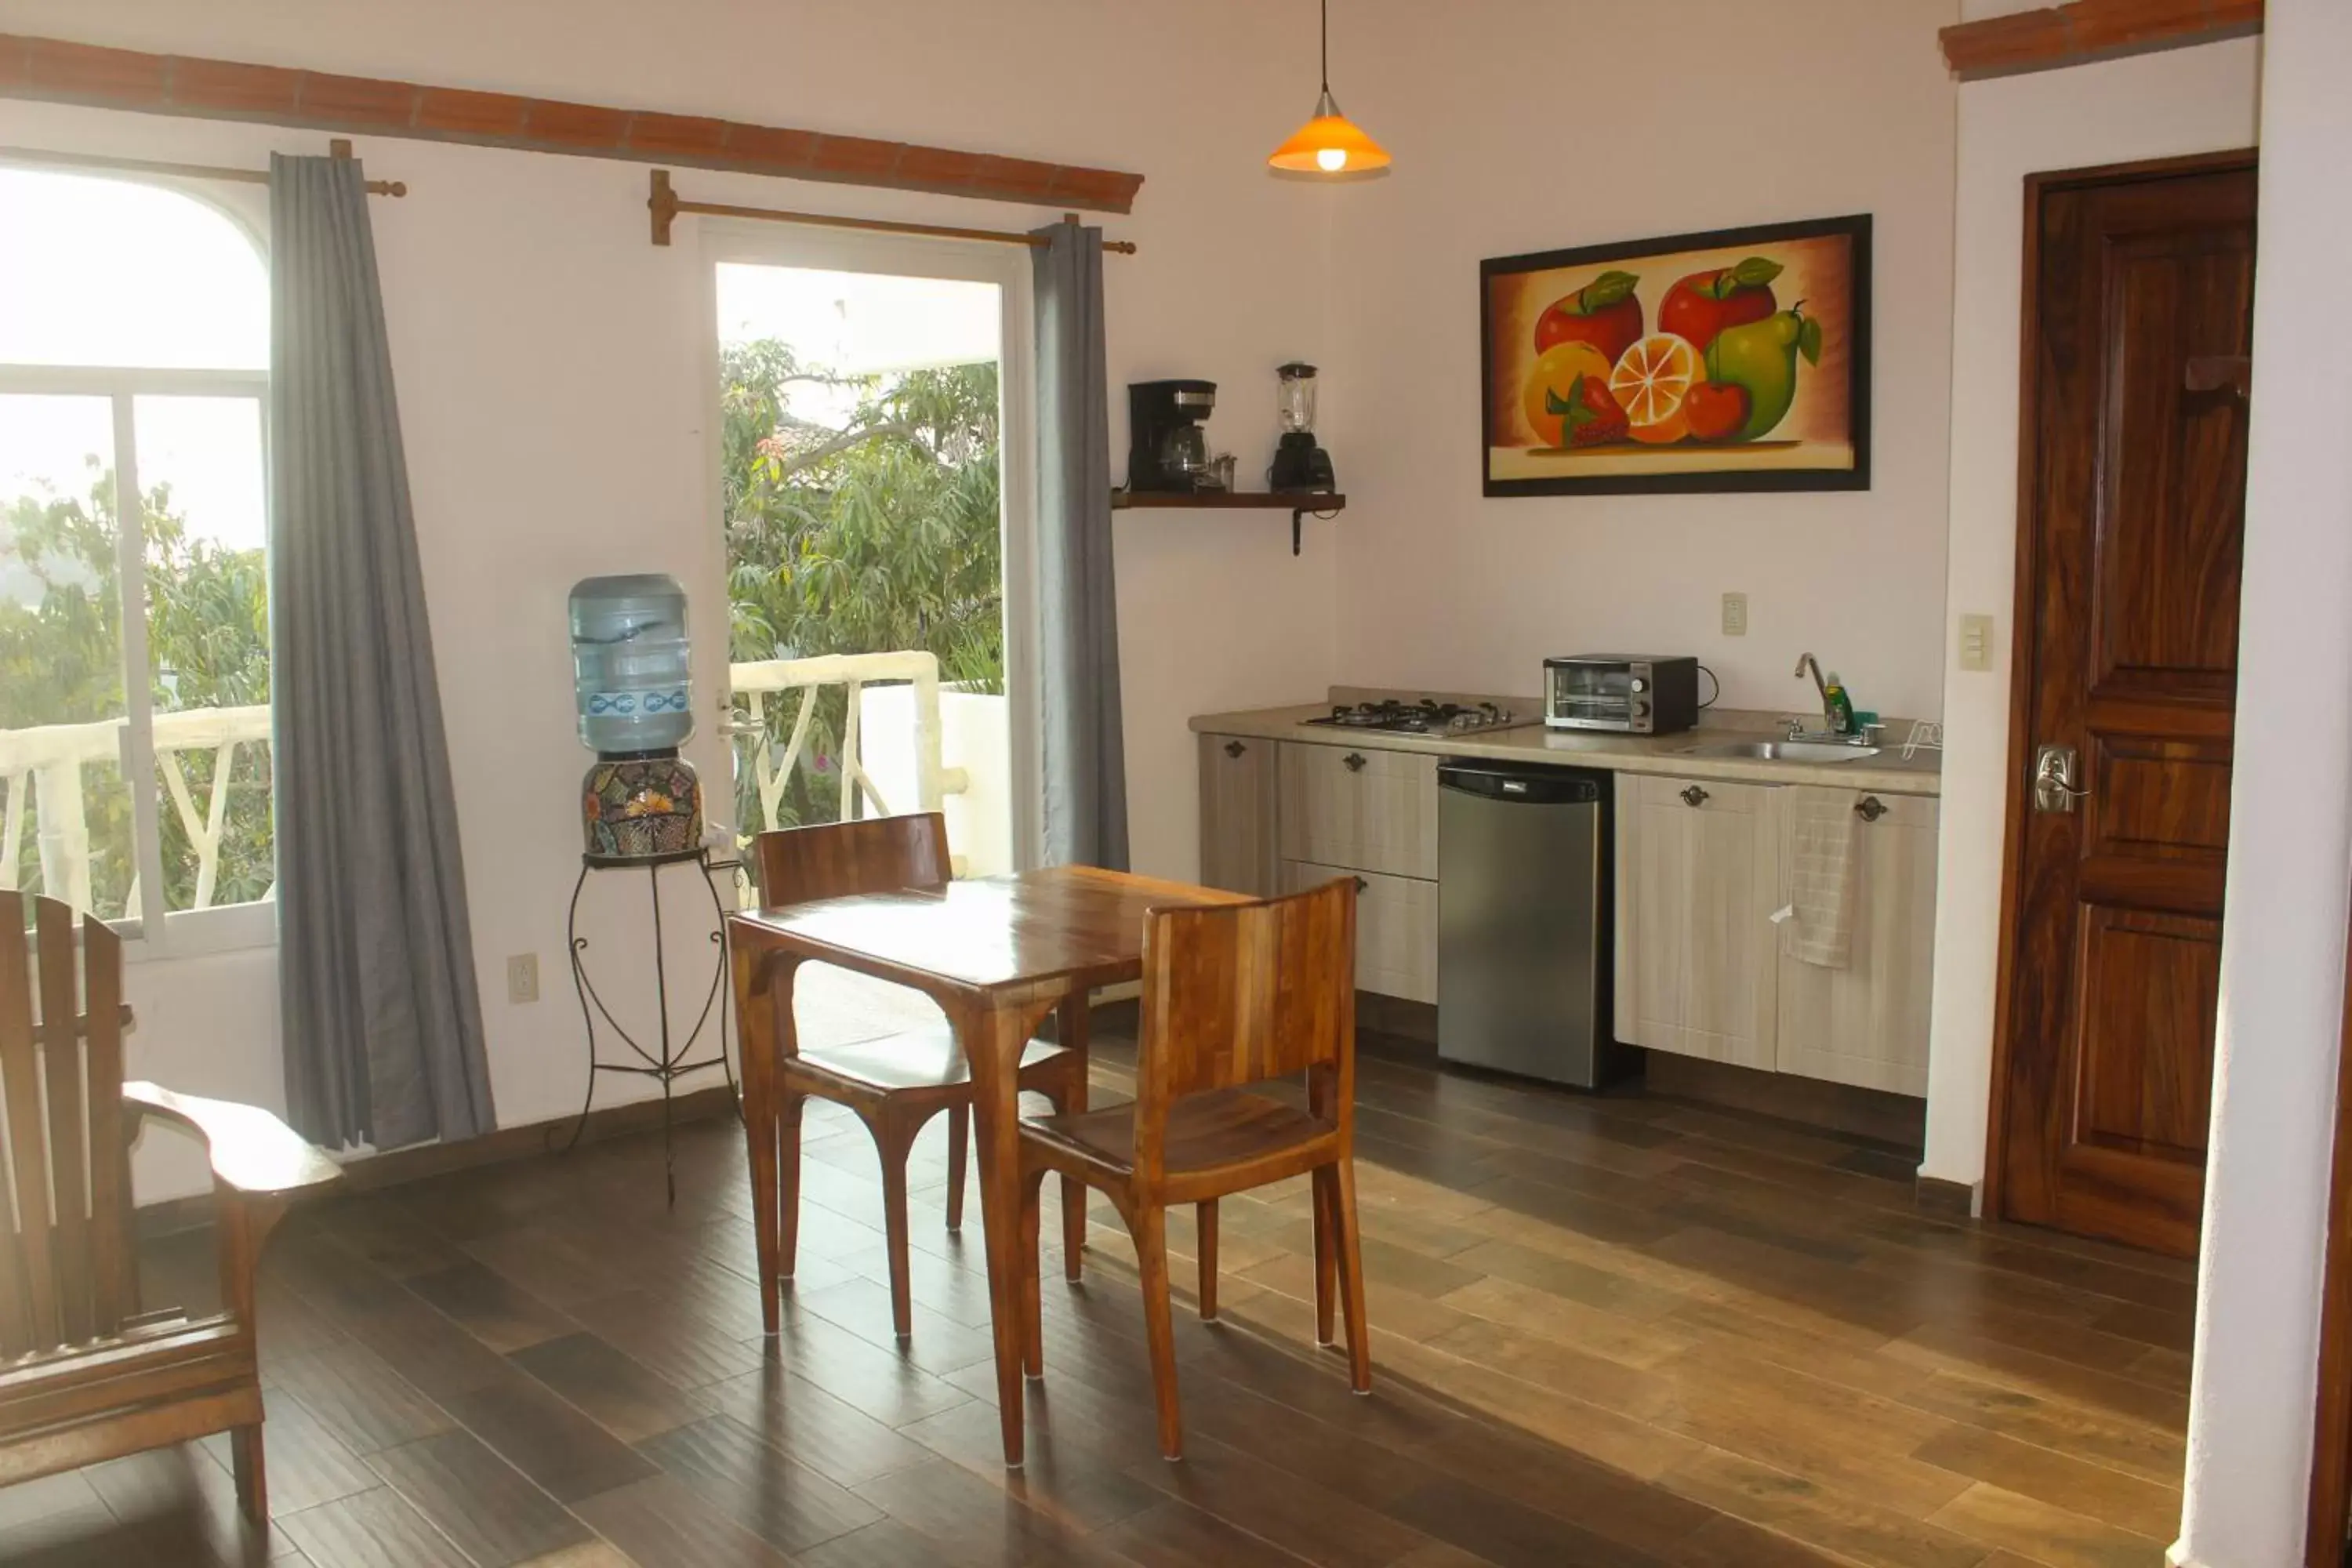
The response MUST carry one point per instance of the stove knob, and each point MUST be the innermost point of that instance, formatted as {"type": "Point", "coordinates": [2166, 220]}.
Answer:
{"type": "Point", "coordinates": [1640, 708]}
{"type": "Point", "coordinates": [1638, 684]}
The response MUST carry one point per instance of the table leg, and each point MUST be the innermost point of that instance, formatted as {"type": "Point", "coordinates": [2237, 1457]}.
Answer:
{"type": "Point", "coordinates": [1074, 1025]}
{"type": "Point", "coordinates": [992, 1036]}
{"type": "Point", "coordinates": [763, 996]}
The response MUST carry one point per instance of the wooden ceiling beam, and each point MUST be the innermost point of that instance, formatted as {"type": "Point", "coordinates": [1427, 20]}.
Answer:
{"type": "Point", "coordinates": [58, 71]}
{"type": "Point", "coordinates": [2085, 30]}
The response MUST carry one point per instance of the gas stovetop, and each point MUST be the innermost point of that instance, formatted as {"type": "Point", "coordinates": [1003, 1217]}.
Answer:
{"type": "Point", "coordinates": [1422, 718]}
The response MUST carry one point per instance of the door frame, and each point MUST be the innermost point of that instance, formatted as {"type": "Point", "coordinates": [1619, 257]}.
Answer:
{"type": "Point", "coordinates": [724, 240]}
{"type": "Point", "coordinates": [2024, 619]}
{"type": "Point", "coordinates": [2331, 1437]}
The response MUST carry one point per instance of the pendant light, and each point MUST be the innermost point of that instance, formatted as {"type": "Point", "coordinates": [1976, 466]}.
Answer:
{"type": "Point", "coordinates": [1330, 143]}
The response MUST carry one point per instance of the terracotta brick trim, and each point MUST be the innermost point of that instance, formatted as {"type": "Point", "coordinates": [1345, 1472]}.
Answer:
{"type": "Point", "coordinates": [58, 71]}
{"type": "Point", "coordinates": [2085, 30]}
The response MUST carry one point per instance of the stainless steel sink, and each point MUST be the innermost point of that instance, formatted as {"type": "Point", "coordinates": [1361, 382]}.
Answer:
{"type": "Point", "coordinates": [1781, 751]}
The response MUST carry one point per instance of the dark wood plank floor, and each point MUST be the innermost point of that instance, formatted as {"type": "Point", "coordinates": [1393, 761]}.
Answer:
{"type": "Point", "coordinates": [1625, 1331]}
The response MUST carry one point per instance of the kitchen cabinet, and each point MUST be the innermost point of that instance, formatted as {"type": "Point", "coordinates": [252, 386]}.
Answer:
{"type": "Point", "coordinates": [1697, 954]}
{"type": "Point", "coordinates": [1396, 926]}
{"type": "Point", "coordinates": [1359, 807]}
{"type": "Point", "coordinates": [1867, 1024]}
{"type": "Point", "coordinates": [1240, 808]}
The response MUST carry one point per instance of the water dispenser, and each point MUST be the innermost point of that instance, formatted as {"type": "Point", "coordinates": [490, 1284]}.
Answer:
{"type": "Point", "coordinates": [630, 658]}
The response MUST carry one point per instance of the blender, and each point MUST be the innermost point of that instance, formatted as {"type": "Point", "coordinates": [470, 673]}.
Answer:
{"type": "Point", "coordinates": [1298, 463]}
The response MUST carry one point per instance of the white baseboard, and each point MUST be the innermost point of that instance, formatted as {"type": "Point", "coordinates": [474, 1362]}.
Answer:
{"type": "Point", "coordinates": [2177, 1556]}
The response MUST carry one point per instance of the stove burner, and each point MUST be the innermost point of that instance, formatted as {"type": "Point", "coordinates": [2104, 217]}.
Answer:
{"type": "Point", "coordinates": [1423, 717]}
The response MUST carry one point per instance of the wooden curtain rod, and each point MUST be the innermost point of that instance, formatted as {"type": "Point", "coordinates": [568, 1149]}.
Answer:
{"type": "Point", "coordinates": [39, 157]}
{"type": "Point", "coordinates": [664, 206]}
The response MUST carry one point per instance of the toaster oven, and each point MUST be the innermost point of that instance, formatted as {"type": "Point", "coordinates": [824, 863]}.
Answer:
{"type": "Point", "coordinates": [1633, 694]}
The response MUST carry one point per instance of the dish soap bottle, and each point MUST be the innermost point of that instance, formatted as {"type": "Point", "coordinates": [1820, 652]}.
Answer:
{"type": "Point", "coordinates": [1841, 707]}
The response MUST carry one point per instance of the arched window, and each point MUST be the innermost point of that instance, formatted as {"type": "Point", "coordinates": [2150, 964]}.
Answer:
{"type": "Point", "coordinates": [135, 627]}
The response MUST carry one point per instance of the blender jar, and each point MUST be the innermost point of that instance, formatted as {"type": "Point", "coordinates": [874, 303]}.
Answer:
{"type": "Point", "coordinates": [1297, 398]}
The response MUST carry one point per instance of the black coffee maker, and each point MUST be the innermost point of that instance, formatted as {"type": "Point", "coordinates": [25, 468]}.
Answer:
{"type": "Point", "coordinates": [1166, 447]}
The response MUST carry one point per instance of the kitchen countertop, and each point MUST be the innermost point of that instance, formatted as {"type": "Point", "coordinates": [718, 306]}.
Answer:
{"type": "Point", "coordinates": [1886, 772]}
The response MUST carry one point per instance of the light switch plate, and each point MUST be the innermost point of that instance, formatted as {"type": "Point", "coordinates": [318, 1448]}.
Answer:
{"type": "Point", "coordinates": [1976, 642]}
{"type": "Point", "coordinates": [522, 977]}
{"type": "Point", "coordinates": [1734, 615]}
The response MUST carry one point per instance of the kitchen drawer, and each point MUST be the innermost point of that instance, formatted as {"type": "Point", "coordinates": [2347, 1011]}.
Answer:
{"type": "Point", "coordinates": [1360, 808]}
{"type": "Point", "coordinates": [1396, 928]}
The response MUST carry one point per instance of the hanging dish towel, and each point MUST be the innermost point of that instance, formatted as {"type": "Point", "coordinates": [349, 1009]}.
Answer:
{"type": "Point", "coordinates": [1824, 860]}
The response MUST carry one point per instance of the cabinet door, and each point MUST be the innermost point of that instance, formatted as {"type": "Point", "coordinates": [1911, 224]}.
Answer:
{"type": "Point", "coordinates": [1867, 1024]}
{"type": "Point", "coordinates": [1396, 928]}
{"type": "Point", "coordinates": [1238, 806]}
{"type": "Point", "coordinates": [1697, 872]}
{"type": "Point", "coordinates": [1361, 807]}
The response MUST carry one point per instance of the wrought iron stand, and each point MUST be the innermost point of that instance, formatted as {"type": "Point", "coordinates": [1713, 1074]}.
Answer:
{"type": "Point", "coordinates": [675, 1058]}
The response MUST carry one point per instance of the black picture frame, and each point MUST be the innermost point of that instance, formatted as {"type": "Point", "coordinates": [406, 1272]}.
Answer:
{"type": "Point", "coordinates": [1854, 227]}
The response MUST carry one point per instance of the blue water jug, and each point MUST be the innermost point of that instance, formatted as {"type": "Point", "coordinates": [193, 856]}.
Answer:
{"type": "Point", "coordinates": [629, 658]}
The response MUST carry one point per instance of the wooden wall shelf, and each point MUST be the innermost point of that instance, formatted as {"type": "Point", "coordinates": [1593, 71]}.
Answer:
{"type": "Point", "coordinates": [1292, 501]}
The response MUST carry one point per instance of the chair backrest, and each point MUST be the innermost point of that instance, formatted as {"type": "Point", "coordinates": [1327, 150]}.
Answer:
{"type": "Point", "coordinates": [66, 1267]}
{"type": "Point", "coordinates": [837, 859]}
{"type": "Point", "coordinates": [1237, 993]}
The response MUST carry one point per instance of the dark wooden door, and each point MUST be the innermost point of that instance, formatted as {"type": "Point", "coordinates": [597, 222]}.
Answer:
{"type": "Point", "coordinates": [2139, 321]}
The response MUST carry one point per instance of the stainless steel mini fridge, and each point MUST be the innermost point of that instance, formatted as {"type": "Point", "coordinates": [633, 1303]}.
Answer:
{"type": "Point", "coordinates": [1524, 903]}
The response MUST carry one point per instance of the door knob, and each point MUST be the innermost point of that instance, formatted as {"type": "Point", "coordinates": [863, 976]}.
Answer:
{"type": "Point", "coordinates": [2053, 779]}
{"type": "Point", "coordinates": [1693, 795]}
{"type": "Point", "coordinates": [1352, 763]}
{"type": "Point", "coordinates": [1234, 747]}
{"type": "Point", "coordinates": [1870, 808]}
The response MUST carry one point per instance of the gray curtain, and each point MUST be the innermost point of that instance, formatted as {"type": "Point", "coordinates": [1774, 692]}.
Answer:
{"type": "Point", "coordinates": [382, 1019]}
{"type": "Point", "coordinates": [1086, 752]}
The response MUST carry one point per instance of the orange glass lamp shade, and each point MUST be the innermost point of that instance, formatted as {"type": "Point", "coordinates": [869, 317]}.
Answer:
{"type": "Point", "coordinates": [1330, 143]}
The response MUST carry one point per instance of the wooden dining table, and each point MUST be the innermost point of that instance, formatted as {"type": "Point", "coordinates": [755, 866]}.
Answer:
{"type": "Point", "coordinates": [997, 954]}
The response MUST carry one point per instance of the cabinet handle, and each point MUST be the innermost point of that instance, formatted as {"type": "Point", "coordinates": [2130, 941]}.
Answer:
{"type": "Point", "coordinates": [1693, 795]}
{"type": "Point", "coordinates": [1353, 763]}
{"type": "Point", "coordinates": [1361, 886]}
{"type": "Point", "coordinates": [1234, 747]}
{"type": "Point", "coordinates": [1870, 808]}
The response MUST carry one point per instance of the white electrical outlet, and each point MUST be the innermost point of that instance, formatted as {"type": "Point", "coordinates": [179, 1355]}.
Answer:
{"type": "Point", "coordinates": [1734, 615]}
{"type": "Point", "coordinates": [1976, 642]}
{"type": "Point", "coordinates": [522, 977]}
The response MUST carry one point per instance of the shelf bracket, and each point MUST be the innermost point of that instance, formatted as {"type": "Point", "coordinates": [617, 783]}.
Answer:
{"type": "Point", "coordinates": [1295, 513]}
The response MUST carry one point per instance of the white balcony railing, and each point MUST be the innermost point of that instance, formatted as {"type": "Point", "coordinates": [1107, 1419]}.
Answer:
{"type": "Point", "coordinates": [49, 758]}
{"type": "Point", "coordinates": [912, 773]}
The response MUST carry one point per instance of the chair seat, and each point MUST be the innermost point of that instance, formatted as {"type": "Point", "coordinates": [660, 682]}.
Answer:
{"type": "Point", "coordinates": [1205, 1132]}
{"type": "Point", "coordinates": [918, 1059]}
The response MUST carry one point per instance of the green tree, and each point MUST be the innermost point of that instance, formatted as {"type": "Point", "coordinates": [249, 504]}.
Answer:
{"type": "Point", "coordinates": [61, 663]}
{"type": "Point", "coordinates": [871, 535]}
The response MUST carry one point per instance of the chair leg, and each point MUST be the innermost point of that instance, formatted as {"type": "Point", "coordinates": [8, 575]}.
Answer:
{"type": "Point", "coordinates": [788, 1183]}
{"type": "Point", "coordinates": [1149, 1228]}
{"type": "Point", "coordinates": [1032, 1313]}
{"type": "Point", "coordinates": [1325, 1256]}
{"type": "Point", "coordinates": [1352, 1275]}
{"type": "Point", "coordinates": [252, 1476]}
{"type": "Point", "coordinates": [891, 1144]}
{"type": "Point", "coordinates": [958, 1157]}
{"type": "Point", "coordinates": [1206, 1224]}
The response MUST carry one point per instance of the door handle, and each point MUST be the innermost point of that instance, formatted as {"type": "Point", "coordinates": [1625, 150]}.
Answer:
{"type": "Point", "coordinates": [1234, 747]}
{"type": "Point", "coordinates": [1693, 795]}
{"type": "Point", "coordinates": [2053, 779]}
{"type": "Point", "coordinates": [1352, 763]}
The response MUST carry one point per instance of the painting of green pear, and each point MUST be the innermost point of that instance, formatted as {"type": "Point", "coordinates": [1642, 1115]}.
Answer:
{"type": "Point", "coordinates": [1734, 360]}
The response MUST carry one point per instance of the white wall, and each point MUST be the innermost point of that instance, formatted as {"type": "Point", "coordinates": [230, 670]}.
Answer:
{"type": "Point", "coordinates": [550, 363]}
{"type": "Point", "coordinates": [2153, 106]}
{"type": "Point", "coordinates": [2281, 1014]}
{"type": "Point", "coordinates": [1526, 126]}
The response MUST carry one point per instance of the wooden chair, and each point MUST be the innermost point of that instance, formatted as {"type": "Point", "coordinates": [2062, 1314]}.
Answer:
{"type": "Point", "coordinates": [899, 1083]}
{"type": "Point", "coordinates": [1232, 996]}
{"type": "Point", "coordinates": [85, 1374]}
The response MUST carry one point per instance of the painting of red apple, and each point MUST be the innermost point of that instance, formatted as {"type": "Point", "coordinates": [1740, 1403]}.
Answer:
{"type": "Point", "coordinates": [1737, 360]}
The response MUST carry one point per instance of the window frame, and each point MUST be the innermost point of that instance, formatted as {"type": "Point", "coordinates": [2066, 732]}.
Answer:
{"type": "Point", "coordinates": [153, 930]}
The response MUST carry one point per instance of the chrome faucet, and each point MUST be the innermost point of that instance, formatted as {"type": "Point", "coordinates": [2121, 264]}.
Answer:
{"type": "Point", "coordinates": [1807, 665]}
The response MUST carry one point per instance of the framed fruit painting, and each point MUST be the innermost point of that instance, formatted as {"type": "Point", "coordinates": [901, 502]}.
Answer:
{"type": "Point", "coordinates": [1733, 361]}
